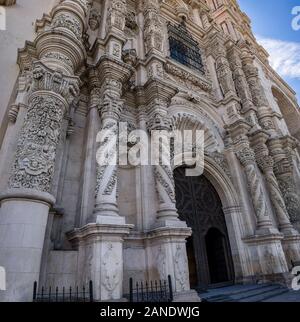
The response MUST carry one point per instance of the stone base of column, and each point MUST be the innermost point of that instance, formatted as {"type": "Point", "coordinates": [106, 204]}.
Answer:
{"type": "Point", "coordinates": [166, 249]}
{"type": "Point", "coordinates": [100, 258]}
{"type": "Point", "coordinates": [167, 216]}
{"type": "Point", "coordinates": [265, 230]}
{"type": "Point", "coordinates": [267, 255]}
{"type": "Point", "coordinates": [23, 221]}
{"type": "Point", "coordinates": [291, 247]}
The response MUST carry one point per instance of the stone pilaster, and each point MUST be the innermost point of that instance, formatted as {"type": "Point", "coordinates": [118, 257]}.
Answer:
{"type": "Point", "coordinates": [58, 53]}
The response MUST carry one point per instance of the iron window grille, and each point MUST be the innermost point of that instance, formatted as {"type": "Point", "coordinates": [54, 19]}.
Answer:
{"type": "Point", "coordinates": [183, 48]}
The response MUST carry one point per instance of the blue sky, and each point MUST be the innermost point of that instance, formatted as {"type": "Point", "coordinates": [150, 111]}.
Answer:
{"type": "Point", "coordinates": [272, 24]}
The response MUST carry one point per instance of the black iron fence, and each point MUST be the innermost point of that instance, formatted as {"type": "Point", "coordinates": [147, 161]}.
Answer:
{"type": "Point", "coordinates": [153, 291]}
{"type": "Point", "coordinates": [64, 294]}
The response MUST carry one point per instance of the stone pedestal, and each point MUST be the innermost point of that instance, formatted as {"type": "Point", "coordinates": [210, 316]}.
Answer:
{"type": "Point", "coordinates": [100, 258]}
{"type": "Point", "coordinates": [166, 249]}
{"type": "Point", "coordinates": [268, 258]}
{"type": "Point", "coordinates": [23, 221]}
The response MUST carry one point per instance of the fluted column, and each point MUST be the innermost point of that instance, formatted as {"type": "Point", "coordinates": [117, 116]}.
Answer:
{"type": "Point", "coordinates": [266, 164]}
{"type": "Point", "coordinates": [25, 206]}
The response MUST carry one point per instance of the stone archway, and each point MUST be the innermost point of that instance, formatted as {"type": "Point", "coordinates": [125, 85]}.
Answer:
{"type": "Point", "coordinates": [209, 251]}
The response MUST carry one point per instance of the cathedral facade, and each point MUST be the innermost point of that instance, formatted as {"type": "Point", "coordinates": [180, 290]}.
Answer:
{"type": "Point", "coordinates": [87, 66]}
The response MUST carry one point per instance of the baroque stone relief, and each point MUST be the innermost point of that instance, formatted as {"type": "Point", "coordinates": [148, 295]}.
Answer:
{"type": "Point", "coordinates": [35, 157]}
{"type": "Point", "coordinates": [111, 270]}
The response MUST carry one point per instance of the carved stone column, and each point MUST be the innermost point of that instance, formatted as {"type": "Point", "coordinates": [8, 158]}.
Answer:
{"type": "Point", "coordinates": [153, 35]}
{"type": "Point", "coordinates": [218, 51]}
{"type": "Point", "coordinates": [241, 85]}
{"type": "Point", "coordinates": [264, 112]}
{"type": "Point", "coordinates": [246, 156]}
{"type": "Point", "coordinates": [159, 120]}
{"type": "Point", "coordinates": [54, 57]}
{"type": "Point", "coordinates": [266, 163]}
{"type": "Point", "coordinates": [106, 187]}
{"type": "Point", "coordinates": [281, 150]}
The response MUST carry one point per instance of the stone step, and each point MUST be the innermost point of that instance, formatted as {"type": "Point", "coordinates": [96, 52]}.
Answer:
{"type": "Point", "coordinates": [265, 295]}
{"type": "Point", "coordinates": [249, 293]}
{"type": "Point", "coordinates": [226, 292]}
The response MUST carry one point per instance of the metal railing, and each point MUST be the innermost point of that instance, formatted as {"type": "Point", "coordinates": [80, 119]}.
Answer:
{"type": "Point", "coordinates": [153, 291]}
{"type": "Point", "coordinates": [56, 294]}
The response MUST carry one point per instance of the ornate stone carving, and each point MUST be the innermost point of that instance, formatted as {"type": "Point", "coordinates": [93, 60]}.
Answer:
{"type": "Point", "coordinates": [258, 94]}
{"type": "Point", "coordinates": [153, 36]}
{"type": "Point", "coordinates": [247, 158]}
{"type": "Point", "coordinates": [266, 164]}
{"type": "Point", "coordinates": [68, 22]}
{"type": "Point", "coordinates": [130, 21]}
{"type": "Point", "coordinates": [161, 263]}
{"type": "Point", "coordinates": [54, 81]}
{"type": "Point", "coordinates": [34, 163]}
{"type": "Point", "coordinates": [281, 150]}
{"type": "Point", "coordinates": [188, 79]}
{"type": "Point", "coordinates": [181, 265]}
{"type": "Point", "coordinates": [117, 14]}
{"type": "Point", "coordinates": [94, 19]}
{"type": "Point", "coordinates": [13, 113]}
{"type": "Point", "coordinates": [111, 270]}
{"type": "Point", "coordinates": [239, 78]}
{"type": "Point", "coordinates": [222, 67]}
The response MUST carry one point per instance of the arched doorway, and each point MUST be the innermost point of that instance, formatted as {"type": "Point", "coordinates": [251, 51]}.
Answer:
{"type": "Point", "coordinates": [208, 250]}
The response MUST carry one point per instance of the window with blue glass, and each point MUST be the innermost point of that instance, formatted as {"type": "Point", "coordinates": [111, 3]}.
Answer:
{"type": "Point", "coordinates": [183, 48]}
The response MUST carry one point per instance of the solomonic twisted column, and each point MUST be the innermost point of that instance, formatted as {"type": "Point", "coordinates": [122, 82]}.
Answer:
{"type": "Point", "coordinates": [160, 121]}
{"type": "Point", "coordinates": [266, 164]}
{"type": "Point", "coordinates": [280, 149]}
{"type": "Point", "coordinates": [107, 155]}
{"type": "Point", "coordinates": [59, 52]}
{"type": "Point", "coordinates": [246, 156]}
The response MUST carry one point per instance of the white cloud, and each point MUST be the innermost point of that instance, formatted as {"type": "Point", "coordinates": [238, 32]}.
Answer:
{"type": "Point", "coordinates": [284, 56]}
